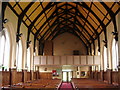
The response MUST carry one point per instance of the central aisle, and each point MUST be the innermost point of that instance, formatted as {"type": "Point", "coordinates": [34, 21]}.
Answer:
{"type": "Point", "coordinates": [65, 86]}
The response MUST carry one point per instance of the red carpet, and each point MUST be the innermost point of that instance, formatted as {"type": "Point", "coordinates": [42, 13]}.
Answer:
{"type": "Point", "coordinates": [66, 86]}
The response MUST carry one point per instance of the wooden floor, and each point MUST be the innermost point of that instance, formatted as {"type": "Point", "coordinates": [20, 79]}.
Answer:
{"type": "Point", "coordinates": [89, 84]}
{"type": "Point", "coordinates": [36, 85]}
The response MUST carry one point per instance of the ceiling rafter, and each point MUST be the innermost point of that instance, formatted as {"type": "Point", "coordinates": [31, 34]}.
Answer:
{"type": "Point", "coordinates": [76, 14]}
{"type": "Point", "coordinates": [83, 27]}
{"type": "Point", "coordinates": [18, 16]}
{"type": "Point", "coordinates": [65, 21]}
{"type": "Point", "coordinates": [45, 15]}
{"type": "Point", "coordinates": [88, 22]}
{"type": "Point", "coordinates": [48, 20]}
{"type": "Point", "coordinates": [85, 6]}
{"type": "Point", "coordinates": [100, 11]}
{"type": "Point", "coordinates": [101, 23]}
{"type": "Point", "coordinates": [76, 18]}
{"type": "Point", "coordinates": [88, 13]}
{"type": "Point", "coordinates": [66, 16]}
{"type": "Point", "coordinates": [4, 4]}
{"type": "Point", "coordinates": [80, 17]}
{"type": "Point", "coordinates": [32, 12]}
{"type": "Point", "coordinates": [33, 22]}
{"type": "Point", "coordinates": [112, 15]}
{"type": "Point", "coordinates": [55, 24]}
{"type": "Point", "coordinates": [79, 24]}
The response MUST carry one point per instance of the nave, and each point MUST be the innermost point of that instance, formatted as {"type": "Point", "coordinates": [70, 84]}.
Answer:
{"type": "Point", "coordinates": [75, 84]}
{"type": "Point", "coordinates": [60, 45]}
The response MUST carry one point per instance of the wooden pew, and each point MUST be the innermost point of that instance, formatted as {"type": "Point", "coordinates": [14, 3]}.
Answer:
{"type": "Point", "coordinates": [89, 84]}
{"type": "Point", "coordinates": [37, 84]}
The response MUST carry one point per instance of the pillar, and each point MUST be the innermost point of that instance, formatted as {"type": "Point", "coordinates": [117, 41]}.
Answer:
{"type": "Point", "coordinates": [119, 46]}
{"type": "Point", "coordinates": [90, 71]}
{"type": "Point", "coordinates": [96, 72]}
{"type": "Point", "coordinates": [24, 73]}
{"type": "Point", "coordinates": [13, 76]}
{"type": "Point", "coordinates": [101, 75]}
{"type": "Point", "coordinates": [109, 76]}
{"type": "Point", "coordinates": [78, 72]}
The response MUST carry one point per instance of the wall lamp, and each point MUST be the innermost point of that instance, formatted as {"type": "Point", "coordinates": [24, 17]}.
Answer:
{"type": "Point", "coordinates": [104, 41]}
{"type": "Point", "coordinates": [28, 42]}
{"type": "Point", "coordinates": [5, 21]}
{"type": "Point", "coordinates": [18, 36]}
{"type": "Point", "coordinates": [115, 33]}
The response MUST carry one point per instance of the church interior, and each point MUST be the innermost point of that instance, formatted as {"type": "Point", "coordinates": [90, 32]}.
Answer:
{"type": "Point", "coordinates": [60, 45]}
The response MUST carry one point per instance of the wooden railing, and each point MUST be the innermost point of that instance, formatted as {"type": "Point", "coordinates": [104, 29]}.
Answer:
{"type": "Point", "coordinates": [114, 77]}
{"type": "Point", "coordinates": [67, 60]}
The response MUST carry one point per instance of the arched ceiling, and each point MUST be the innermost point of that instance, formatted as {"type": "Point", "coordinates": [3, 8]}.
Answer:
{"type": "Point", "coordinates": [46, 20]}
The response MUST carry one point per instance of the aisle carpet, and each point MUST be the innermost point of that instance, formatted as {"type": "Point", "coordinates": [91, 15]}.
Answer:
{"type": "Point", "coordinates": [66, 86]}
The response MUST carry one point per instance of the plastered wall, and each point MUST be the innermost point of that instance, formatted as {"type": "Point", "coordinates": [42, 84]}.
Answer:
{"type": "Point", "coordinates": [49, 69]}
{"type": "Point", "coordinates": [110, 37]}
{"type": "Point", "coordinates": [65, 43]}
{"type": "Point", "coordinates": [11, 25]}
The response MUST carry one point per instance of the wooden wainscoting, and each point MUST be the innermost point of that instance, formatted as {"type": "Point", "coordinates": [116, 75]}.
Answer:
{"type": "Point", "coordinates": [19, 77]}
{"type": "Point", "coordinates": [35, 75]}
{"type": "Point", "coordinates": [96, 75]}
{"type": "Point", "coordinates": [28, 76]}
{"type": "Point", "coordinates": [5, 78]}
{"type": "Point", "coordinates": [45, 75]}
{"type": "Point", "coordinates": [105, 77]}
{"type": "Point", "coordinates": [99, 77]}
{"type": "Point", "coordinates": [115, 77]}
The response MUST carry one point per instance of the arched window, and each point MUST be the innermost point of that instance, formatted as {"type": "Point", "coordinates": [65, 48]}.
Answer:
{"type": "Point", "coordinates": [2, 48]}
{"type": "Point", "coordinates": [28, 59]}
{"type": "Point", "coordinates": [5, 50]}
{"type": "Point", "coordinates": [19, 55]}
{"type": "Point", "coordinates": [98, 53]}
{"type": "Point", "coordinates": [114, 55]}
{"type": "Point", "coordinates": [105, 58]}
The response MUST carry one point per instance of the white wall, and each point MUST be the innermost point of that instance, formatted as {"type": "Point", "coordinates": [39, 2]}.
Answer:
{"type": "Point", "coordinates": [11, 25]}
{"type": "Point", "coordinates": [110, 29]}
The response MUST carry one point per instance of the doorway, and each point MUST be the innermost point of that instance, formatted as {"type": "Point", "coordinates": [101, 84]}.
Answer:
{"type": "Point", "coordinates": [66, 76]}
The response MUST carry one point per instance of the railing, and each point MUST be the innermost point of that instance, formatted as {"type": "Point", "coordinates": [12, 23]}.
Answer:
{"type": "Point", "coordinates": [67, 60]}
